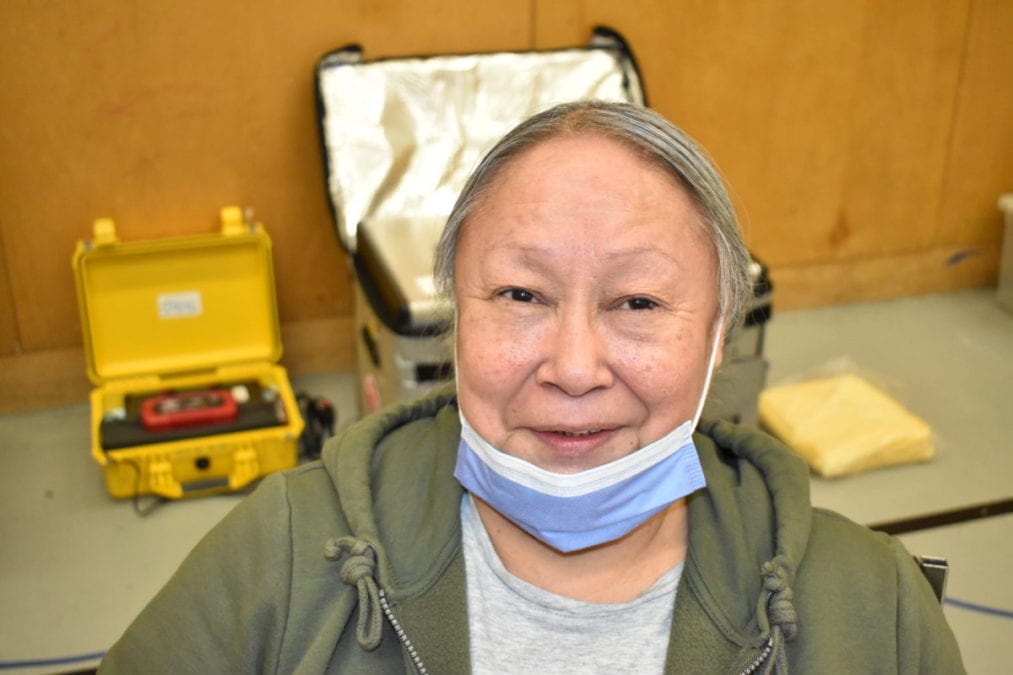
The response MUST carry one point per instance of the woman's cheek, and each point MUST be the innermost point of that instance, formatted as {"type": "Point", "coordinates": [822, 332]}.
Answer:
{"type": "Point", "coordinates": [490, 352]}
{"type": "Point", "coordinates": [656, 370]}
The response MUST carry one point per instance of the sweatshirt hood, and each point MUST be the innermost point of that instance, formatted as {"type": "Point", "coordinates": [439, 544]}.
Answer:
{"type": "Point", "coordinates": [748, 532]}
{"type": "Point", "coordinates": [384, 463]}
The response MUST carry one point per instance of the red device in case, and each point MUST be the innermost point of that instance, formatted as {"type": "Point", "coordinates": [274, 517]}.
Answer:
{"type": "Point", "coordinates": [188, 408]}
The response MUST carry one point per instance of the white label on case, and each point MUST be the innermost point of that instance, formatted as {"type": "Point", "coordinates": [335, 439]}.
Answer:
{"type": "Point", "coordinates": [180, 305]}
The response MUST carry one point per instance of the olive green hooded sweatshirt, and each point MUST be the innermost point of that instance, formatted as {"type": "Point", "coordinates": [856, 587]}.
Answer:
{"type": "Point", "coordinates": [353, 565]}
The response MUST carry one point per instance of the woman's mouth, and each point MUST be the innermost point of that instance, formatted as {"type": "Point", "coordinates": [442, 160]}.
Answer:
{"type": "Point", "coordinates": [576, 442]}
{"type": "Point", "coordinates": [586, 432]}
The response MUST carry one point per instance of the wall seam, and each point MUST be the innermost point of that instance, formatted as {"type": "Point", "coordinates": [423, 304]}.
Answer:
{"type": "Point", "coordinates": [18, 340]}
{"type": "Point", "coordinates": [955, 110]}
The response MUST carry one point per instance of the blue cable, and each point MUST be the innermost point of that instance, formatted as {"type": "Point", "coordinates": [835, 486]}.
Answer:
{"type": "Point", "coordinates": [7, 665]}
{"type": "Point", "coordinates": [975, 607]}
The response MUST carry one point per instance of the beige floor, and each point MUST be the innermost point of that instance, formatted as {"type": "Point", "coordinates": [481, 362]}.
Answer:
{"type": "Point", "coordinates": [76, 566]}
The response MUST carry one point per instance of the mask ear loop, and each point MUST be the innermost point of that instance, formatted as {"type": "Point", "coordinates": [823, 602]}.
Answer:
{"type": "Point", "coordinates": [457, 360]}
{"type": "Point", "coordinates": [457, 386]}
{"type": "Point", "coordinates": [710, 371]}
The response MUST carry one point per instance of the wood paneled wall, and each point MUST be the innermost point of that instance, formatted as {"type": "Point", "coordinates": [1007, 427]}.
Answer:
{"type": "Point", "coordinates": [865, 142]}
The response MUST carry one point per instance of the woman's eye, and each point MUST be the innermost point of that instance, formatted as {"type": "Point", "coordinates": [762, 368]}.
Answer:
{"type": "Point", "coordinates": [641, 303]}
{"type": "Point", "coordinates": [519, 295]}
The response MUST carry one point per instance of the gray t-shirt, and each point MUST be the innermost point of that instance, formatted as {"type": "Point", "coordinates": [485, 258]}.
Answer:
{"type": "Point", "coordinates": [516, 627]}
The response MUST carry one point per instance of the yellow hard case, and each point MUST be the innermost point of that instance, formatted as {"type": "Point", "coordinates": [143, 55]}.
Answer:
{"type": "Point", "coordinates": [177, 314]}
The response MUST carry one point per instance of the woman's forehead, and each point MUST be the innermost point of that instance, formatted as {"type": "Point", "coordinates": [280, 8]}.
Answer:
{"type": "Point", "coordinates": [616, 156]}
{"type": "Point", "coordinates": [587, 194]}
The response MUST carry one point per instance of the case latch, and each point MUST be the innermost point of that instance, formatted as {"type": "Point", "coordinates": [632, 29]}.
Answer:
{"type": "Point", "coordinates": [245, 468]}
{"type": "Point", "coordinates": [161, 480]}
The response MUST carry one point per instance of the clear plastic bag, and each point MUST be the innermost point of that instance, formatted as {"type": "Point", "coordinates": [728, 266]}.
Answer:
{"type": "Point", "coordinates": [842, 420]}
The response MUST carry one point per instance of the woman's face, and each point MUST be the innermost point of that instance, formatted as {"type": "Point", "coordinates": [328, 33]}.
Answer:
{"type": "Point", "coordinates": [587, 296]}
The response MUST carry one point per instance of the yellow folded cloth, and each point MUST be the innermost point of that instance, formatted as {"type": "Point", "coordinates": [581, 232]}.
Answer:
{"type": "Point", "coordinates": [842, 425]}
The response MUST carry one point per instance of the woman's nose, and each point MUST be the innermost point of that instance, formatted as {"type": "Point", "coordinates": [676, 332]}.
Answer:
{"type": "Point", "coordinates": [575, 359]}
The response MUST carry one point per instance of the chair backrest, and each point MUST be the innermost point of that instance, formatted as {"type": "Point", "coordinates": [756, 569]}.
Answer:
{"type": "Point", "coordinates": [935, 570]}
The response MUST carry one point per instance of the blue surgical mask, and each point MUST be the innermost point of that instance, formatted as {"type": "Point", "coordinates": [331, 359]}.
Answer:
{"type": "Point", "coordinates": [571, 512]}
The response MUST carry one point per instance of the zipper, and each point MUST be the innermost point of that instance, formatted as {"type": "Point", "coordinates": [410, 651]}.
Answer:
{"type": "Point", "coordinates": [764, 655]}
{"type": "Point", "coordinates": [420, 667]}
{"type": "Point", "coordinates": [402, 636]}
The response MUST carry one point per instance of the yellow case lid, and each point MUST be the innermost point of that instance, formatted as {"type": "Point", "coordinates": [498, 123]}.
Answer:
{"type": "Point", "coordinates": [178, 305]}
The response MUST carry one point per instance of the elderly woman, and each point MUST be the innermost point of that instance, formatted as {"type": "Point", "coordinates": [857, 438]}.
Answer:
{"type": "Point", "coordinates": [555, 511]}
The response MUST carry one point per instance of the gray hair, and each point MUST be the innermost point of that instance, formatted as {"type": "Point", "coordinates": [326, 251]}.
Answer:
{"type": "Point", "coordinates": [655, 139]}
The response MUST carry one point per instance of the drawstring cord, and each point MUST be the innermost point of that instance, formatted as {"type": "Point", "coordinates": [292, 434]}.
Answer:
{"type": "Point", "coordinates": [777, 607]}
{"type": "Point", "coordinates": [358, 570]}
